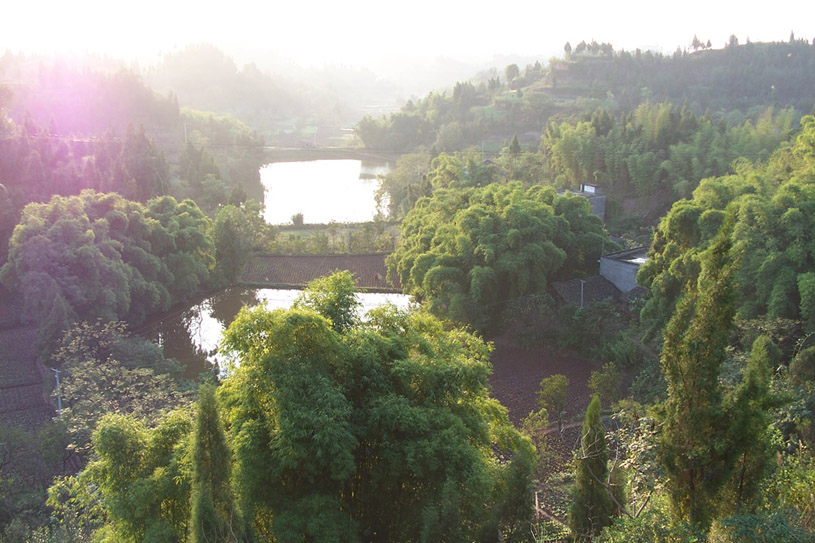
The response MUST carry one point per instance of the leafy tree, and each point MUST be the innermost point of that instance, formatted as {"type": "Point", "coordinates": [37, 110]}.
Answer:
{"type": "Point", "coordinates": [462, 251]}
{"type": "Point", "coordinates": [334, 298]}
{"type": "Point", "coordinates": [606, 383]}
{"type": "Point", "coordinates": [552, 395]}
{"type": "Point", "coordinates": [233, 237]}
{"type": "Point", "coordinates": [515, 146]}
{"type": "Point", "coordinates": [142, 478]}
{"type": "Point", "coordinates": [384, 432]}
{"type": "Point", "coordinates": [512, 72]}
{"type": "Point", "coordinates": [101, 256]}
{"type": "Point", "coordinates": [592, 506]}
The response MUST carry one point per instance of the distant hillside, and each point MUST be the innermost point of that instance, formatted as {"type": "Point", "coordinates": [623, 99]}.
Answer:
{"type": "Point", "coordinates": [733, 85]}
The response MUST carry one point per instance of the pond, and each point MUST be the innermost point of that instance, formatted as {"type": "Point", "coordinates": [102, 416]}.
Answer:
{"type": "Point", "coordinates": [322, 190]}
{"type": "Point", "coordinates": [191, 335]}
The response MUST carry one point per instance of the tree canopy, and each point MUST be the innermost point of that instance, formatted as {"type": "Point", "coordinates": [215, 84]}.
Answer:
{"type": "Point", "coordinates": [99, 256]}
{"type": "Point", "coordinates": [383, 431]}
{"type": "Point", "coordinates": [773, 208]}
{"type": "Point", "coordinates": [467, 251]}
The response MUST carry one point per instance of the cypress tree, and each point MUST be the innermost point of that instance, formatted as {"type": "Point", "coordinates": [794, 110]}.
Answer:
{"type": "Point", "coordinates": [592, 506]}
{"type": "Point", "coordinates": [694, 450]}
{"type": "Point", "coordinates": [212, 510]}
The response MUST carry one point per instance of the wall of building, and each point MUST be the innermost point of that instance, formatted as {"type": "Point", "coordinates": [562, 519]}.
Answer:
{"type": "Point", "coordinates": [623, 274]}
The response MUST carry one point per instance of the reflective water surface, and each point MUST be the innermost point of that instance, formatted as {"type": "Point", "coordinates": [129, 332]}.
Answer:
{"type": "Point", "coordinates": [322, 190]}
{"type": "Point", "coordinates": [191, 335]}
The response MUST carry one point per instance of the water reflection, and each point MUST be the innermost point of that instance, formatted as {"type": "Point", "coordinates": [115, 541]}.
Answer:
{"type": "Point", "coordinates": [191, 336]}
{"type": "Point", "coordinates": [322, 190]}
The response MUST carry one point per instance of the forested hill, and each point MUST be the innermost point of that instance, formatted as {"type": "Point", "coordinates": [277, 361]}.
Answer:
{"type": "Point", "coordinates": [732, 84]}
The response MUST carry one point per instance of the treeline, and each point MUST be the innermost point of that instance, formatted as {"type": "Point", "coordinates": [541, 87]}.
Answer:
{"type": "Point", "coordinates": [656, 148]}
{"type": "Point", "coordinates": [769, 212]}
{"type": "Point", "coordinates": [735, 83]}
{"type": "Point", "coordinates": [733, 77]}
{"type": "Point", "coordinates": [218, 165]}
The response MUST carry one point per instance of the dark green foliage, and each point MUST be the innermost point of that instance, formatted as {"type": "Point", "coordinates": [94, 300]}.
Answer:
{"type": "Point", "coordinates": [213, 515]}
{"type": "Point", "coordinates": [29, 459]}
{"type": "Point", "coordinates": [759, 528]}
{"type": "Point", "coordinates": [651, 527]}
{"type": "Point", "coordinates": [105, 370]}
{"type": "Point", "coordinates": [592, 507]}
{"type": "Point", "coordinates": [234, 233]}
{"type": "Point", "coordinates": [384, 432]}
{"type": "Point", "coordinates": [747, 408]}
{"type": "Point", "coordinates": [802, 367]}
{"type": "Point", "coordinates": [606, 383]}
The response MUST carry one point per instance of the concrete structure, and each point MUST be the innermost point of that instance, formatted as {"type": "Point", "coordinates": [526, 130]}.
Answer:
{"type": "Point", "coordinates": [621, 267]}
{"type": "Point", "coordinates": [583, 292]}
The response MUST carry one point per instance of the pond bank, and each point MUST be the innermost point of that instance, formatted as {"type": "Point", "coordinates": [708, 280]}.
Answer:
{"type": "Point", "coordinates": [296, 271]}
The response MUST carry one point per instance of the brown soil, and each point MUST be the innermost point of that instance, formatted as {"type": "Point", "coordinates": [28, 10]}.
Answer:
{"type": "Point", "coordinates": [517, 374]}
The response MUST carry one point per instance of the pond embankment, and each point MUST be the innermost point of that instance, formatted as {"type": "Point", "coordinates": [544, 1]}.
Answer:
{"type": "Point", "coordinates": [296, 271]}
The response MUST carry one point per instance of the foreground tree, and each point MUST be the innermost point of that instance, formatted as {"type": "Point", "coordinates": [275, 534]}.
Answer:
{"type": "Point", "coordinates": [213, 515]}
{"type": "Point", "coordinates": [592, 506]}
{"type": "Point", "coordinates": [383, 431]}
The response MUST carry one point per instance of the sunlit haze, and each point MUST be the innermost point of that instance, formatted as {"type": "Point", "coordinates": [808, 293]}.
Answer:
{"type": "Point", "coordinates": [362, 32]}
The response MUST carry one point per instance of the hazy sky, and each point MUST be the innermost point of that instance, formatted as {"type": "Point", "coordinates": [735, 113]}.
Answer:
{"type": "Point", "coordinates": [353, 32]}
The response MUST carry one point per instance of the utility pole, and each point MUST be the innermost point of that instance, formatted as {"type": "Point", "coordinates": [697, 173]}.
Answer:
{"type": "Point", "coordinates": [582, 282]}
{"type": "Point", "coordinates": [59, 396]}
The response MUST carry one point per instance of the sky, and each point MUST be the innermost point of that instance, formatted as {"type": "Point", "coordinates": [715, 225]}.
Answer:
{"type": "Point", "coordinates": [362, 32]}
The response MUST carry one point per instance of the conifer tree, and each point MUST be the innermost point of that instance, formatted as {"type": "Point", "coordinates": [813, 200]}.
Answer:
{"type": "Point", "coordinates": [592, 506]}
{"type": "Point", "coordinates": [695, 451]}
{"type": "Point", "coordinates": [212, 511]}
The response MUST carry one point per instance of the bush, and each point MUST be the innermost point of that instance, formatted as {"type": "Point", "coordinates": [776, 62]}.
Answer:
{"type": "Point", "coordinates": [649, 527]}
{"type": "Point", "coordinates": [759, 528]}
{"type": "Point", "coordinates": [606, 383]}
{"type": "Point", "coordinates": [532, 320]}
